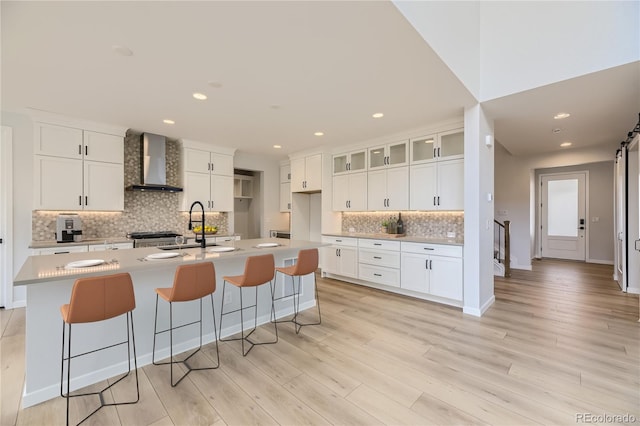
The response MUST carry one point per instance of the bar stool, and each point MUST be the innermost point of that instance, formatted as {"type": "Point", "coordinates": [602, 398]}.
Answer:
{"type": "Point", "coordinates": [98, 299]}
{"type": "Point", "coordinates": [190, 282]}
{"type": "Point", "coordinates": [306, 264]}
{"type": "Point", "coordinates": [258, 270]}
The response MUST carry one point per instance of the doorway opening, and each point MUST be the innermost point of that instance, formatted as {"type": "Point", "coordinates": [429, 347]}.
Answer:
{"type": "Point", "coordinates": [247, 203]}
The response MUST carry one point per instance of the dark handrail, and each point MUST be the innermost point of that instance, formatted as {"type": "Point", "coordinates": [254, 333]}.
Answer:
{"type": "Point", "coordinates": [504, 240]}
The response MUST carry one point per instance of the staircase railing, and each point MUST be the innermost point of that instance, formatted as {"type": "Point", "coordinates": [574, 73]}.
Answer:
{"type": "Point", "coordinates": [502, 245]}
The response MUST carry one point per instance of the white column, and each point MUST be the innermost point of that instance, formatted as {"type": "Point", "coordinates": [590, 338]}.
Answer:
{"type": "Point", "coordinates": [478, 211]}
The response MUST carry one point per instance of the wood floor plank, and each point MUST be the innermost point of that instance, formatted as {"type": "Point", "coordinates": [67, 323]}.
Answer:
{"type": "Point", "coordinates": [329, 404]}
{"type": "Point", "coordinates": [281, 404]}
{"type": "Point", "coordinates": [383, 408]}
{"type": "Point", "coordinates": [11, 377]}
{"type": "Point", "coordinates": [184, 403]}
{"type": "Point", "coordinates": [148, 410]}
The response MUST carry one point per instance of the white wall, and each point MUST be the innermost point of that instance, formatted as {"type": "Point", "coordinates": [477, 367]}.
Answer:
{"type": "Point", "coordinates": [478, 212]}
{"type": "Point", "coordinates": [515, 188]}
{"type": "Point", "coordinates": [497, 48]}
{"type": "Point", "coordinates": [23, 189]}
{"type": "Point", "coordinates": [633, 225]}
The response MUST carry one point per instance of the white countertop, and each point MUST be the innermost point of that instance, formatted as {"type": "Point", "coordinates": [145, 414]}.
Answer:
{"type": "Point", "coordinates": [47, 268]}
{"type": "Point", "coordinates": [407, 238]}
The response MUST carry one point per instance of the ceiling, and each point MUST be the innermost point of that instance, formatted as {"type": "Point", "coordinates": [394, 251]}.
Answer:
{"type": "Point", "coordinates": [274, 74]}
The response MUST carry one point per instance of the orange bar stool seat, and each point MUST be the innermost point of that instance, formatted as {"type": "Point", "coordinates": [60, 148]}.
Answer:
{"type": "Point", "coordinates": [258, 270]}
{"type": "Point", "coordinates": [98, 299]}
{"type": "Point", "coordinates": [306, 264]}
{"type": "Point", "coordinates": [190, 282]}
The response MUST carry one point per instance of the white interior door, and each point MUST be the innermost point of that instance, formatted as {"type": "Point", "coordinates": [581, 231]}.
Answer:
{"type": "Point", "coordinates": [563, 216]}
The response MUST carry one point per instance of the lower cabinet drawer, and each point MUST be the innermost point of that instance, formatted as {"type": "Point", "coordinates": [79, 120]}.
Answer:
{"type": "Point", "coordinates": [379, 258]}
{"type": "Point", "coordinates": [379, 275]}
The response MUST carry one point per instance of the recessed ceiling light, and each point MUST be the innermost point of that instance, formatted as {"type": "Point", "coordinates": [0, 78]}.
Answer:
{"type": "Point", "coordinates": [274, 106]}
{"type": "Point", "coordinates": [378, 115]}
{"type": "Point", "coordinates": [200, 96]}
{"type": "Point", "coordinates": [122, 50]}
{"type": "Point", "coordinates": [319, 134]}
{"type": "Point", "coordinates": [277, 146]}
{"type": "Point", "coordinates": [167, 121]}
{"type": "Point", "coordinates": [556, 130]}
{"type": "Point", "coordinates": [215, 84]}
{"type": "Point", "coordinates": [565, 144]}
{"type": "Point", "coordinates": [561, 115]}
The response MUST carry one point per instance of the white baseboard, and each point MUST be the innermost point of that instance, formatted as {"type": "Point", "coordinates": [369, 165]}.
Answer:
{"type": "Point", "coordinates": [523, 267]}
{"type": "Point", "coordinates": [601, 262]}
{"type": "Point", "coordinates": [633, 290]}
{"type": "Point", "coordinates": [478, 312]}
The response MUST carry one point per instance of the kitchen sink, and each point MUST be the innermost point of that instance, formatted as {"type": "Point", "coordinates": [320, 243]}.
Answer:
{"type": "Point", "coordinates": [185, 246]}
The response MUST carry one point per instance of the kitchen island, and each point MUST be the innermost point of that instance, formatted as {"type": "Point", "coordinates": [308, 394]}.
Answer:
{"type": "Point", "coordinates": [49, 280]}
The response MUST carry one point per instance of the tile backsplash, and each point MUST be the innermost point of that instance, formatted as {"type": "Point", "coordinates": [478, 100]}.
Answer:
{"type": "Point", "coordinates": [417, 224]}
{"type": "Point", "coordinates": [143, 211]}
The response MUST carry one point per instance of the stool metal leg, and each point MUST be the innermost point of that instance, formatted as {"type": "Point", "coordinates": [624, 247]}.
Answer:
{"type": "Point", "coordinates": [130, 339]}
{"type": "Point", "coordinates": [171, 328]}
{"type": "Point", "coordinates": [293, 295]}
{"type": "Point", "coordinates": [298, 324]}
{"type": "Point", "coordinates": [245, 337]}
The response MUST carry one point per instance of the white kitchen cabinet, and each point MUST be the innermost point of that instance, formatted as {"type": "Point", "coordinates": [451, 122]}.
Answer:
{"type": "Point", "coordinates": [437, 186]}
{"type": "Point", "coordinates": [341, 257]}
{"type": "Point", "coordinates": [350, 192]}
{"type": "Point", "coordinates": [438, 147]}
{"type": "Point", "coordinates": [306, 173]}
{"type": "Point", "coordinates": [201, 161]}
{"type": "Point", "coordinates": [77, 169]}
{"type": "Point", "coordinates": [207, 176]}
{"type": "Point", "coordinates": [388, 189]}
{"type": "Point", "coordinates": [285, 173]}
{"type": "Point", "coordinates": [432, 269]}
{"type": "Point", "coordinates": [349, 162]}
{"type": "Point", "coordinates": [285, 197]}
{"type": "Point", "coordinates": [61, 249]}
{"type": "Point", "coordinates": [390, 155]}
{"type": "Point", "coordinates": [379, 261]}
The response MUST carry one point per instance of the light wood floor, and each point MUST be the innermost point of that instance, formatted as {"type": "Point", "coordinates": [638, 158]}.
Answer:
{"type": "Point", "coordinates": [559, 342]}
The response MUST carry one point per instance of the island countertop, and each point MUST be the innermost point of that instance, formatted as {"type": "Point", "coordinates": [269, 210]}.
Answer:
{"type": "Point", "coordinates": [47, 268]}
{"type": "Point", "coordinates": [393, 237]}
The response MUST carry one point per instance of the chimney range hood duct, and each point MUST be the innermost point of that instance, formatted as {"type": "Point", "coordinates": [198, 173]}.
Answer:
{"type": "Point", "coordinates": [153, 170]}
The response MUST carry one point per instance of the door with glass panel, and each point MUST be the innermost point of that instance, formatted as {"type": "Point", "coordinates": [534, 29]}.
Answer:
{"type": "Point", "coordinates": [563, 216]}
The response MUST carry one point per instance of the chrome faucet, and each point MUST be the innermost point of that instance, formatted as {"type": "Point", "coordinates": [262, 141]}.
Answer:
{"type": "Point", "coordinates": [203, 242]}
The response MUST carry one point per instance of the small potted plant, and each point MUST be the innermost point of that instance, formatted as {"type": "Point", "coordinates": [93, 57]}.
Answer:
{"type": "Point", "coordinates": [385, 226]}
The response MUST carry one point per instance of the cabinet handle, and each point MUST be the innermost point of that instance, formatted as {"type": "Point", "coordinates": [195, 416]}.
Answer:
{"type": "Point", "coordinates": [431, 264]}
{"type": "Point", "coordinates": [428, 248]}
{"type": "Point", "coordinates": [388, 202]}
{"type": "Point", "coordinates": [377, 257]}
{"type": "Point", "coordinates": [62, 252]}
{"type": "Point", "coordinates": [426, 264]}
{"type": "Point", "coordinates": [208, 167]}
{"type": "Point", "coordinates": [86, 200]}
{"type": "Point", "coordinates": [438, 200]}
{"type": "Point", "coordinates": [213, 166]}
{"type": "Point", "coordinates": [377, 244]}
{"type": "Point", "coordinates": [377, 275]}
{"type": "Point", "coordinates": [346, 204]}
{"type": "Point", "coordinates": [288, 176]}
{"type": "Point", "coordinates": [434, 200]}
{"type": "Point", "coordinates": [288, 206]}
{"type": "Point", "coordinates": [86, 150]}
{"type": "Point", "coordinates": [338, 241]}
{"type": "Point", "coordinates": [434, 152]}
{"type": "Point", "coordinates": [350, 204]}
{"type": "Point", "coordinates": [438, 151]}
{"type": "Point", "coordinates": [79, 149]}
{"type": "Point", "coordinates": [79, 200]}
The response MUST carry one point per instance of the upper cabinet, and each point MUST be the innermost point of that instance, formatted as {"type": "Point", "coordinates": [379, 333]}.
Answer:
{"type": "Point", "coordinates": [207, 176]}
{"type": "Point", "coordinates": [390, 155]}
{"type": "Point", "coordinates": [355, 161]}
{"type": "Point", "coordinates": [438, 147]}
{"type": "Point", "coordinates": [285, 188]}
{"type": "Point", "coordinates": [306, 173]}
{"type": "Point", "coordinates": [78, 169]}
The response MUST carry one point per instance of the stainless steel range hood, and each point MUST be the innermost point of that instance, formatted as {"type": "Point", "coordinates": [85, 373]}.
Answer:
{"type": "Point", "coordinates": [153, 165]}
